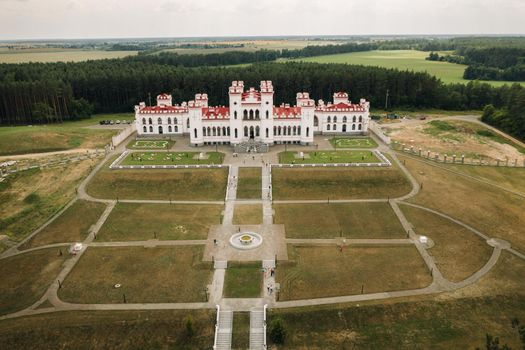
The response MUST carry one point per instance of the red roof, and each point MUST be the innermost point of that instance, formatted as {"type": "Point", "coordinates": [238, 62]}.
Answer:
{"type": "Point", "coordinates": [343, 107]}
{"type": "Point", "coordinates": [215, 112]}
{"type": "Point", "coordinates": [287, 112]}
{"type": "Point", "coordinates": [163, 109]}
{"type": "Point", "coordinates": [163, 97]}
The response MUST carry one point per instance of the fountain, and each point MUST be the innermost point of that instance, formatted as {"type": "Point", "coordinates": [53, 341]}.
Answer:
{"type": "Point", "coordinates": [246, 240]}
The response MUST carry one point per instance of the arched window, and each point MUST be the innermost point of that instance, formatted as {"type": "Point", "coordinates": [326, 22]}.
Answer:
{"type": "Point", "coordinates": [143, 120]}
{"type": "Point", "coordinates": [160, 130]}
{"type": "Point", "coordinates": [245, 114]}
{"type": "Point", "coordinates": [257, 116]}
{"type": "Point", "coordinates": [175, 121]}
{"type": "Point", "coordinates": [150, 121]}
{"type": "Point", "coordinates": [170, 129]}
{"type": "Point", "coordinates": [251, 114]}
{"type": "Point", "coordinates": [223, 131]}
{"type": "Point", "coordinates": [344, 119]}
{"type": "Point", "coordinates": [274, 130]}
{"type": "Point", "coordinates": [294, 130]}
{"type": "Point", "coordinates": [360, 119]}
{"type": "Point", "coordinates": [235, 115]}
{"type": "Point", "coordinates": [267, 132]}
{"type": "Point", "coordinates": [176, 128]}
{"type": "Point", "coordinates": [169, 120]}
{"type": "Point", "coordinates": [219, 131]}
{"type": "Point", "coordinates": [214, 131]}
{"type": "Point", "coordinates": [204, 131]}
{"type": "Point", "coordinates": [236, 133]}
{"type": "Point", "coordinates": [307, 131]}
{"type": "Point", "coordinates": [353, 126]}
{"type": "Point", "coordinates": [353, 119]}
{"type": "Point", "coordinates": [228, 130]}
{"type": "Point", "coordinates": [194, 130]}
{"type": "Point", "coordinates": [245, 131]}
{"type": "Point", "coordinates": [159, 121]}
{"type": "Point", "coordinates": [145, 129]}
{"type": "Point", "coordinates": [289, 130]}
{"type": "Point", "coordinates": [267, 114]}
{"type": "Point", "coordinates": [150, 128]}
{"type": "Point", "coordinates": [344, 127]}
{"type": "Point", "coordinates": [299, 130]}
{"type": "Point", "coordinates": [316, 121]}
{"type": "Point", "coordinates": [335, 127]}
{"type": "Point", "coordinates": [335, 119]}
{"type": "Point", "coordinates": [257, 131]}
{"type": "Point", "coordinates": [328, 127]}
{"type": "Point", "coordinates": [188, 124]}
{"type": "Point", "coordinates": [329, 120]}
{"type": "Point", "coordinates": [284, 130]}
{"type": "Point", "coordinates": [279, 130]}
{"type": "Point", "coordinates": [359, 127]}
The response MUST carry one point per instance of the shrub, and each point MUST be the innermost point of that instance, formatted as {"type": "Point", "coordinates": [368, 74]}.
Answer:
{"type": "Point", "coordinates": [277, 331]}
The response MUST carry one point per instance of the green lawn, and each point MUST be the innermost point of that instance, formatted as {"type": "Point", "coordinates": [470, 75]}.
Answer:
{"type": "Point", "coordinates": [243, 280]}
{"type": "Point", "coordinates": [403, 60]}
{"type": "Point", "coordinates": [324, 157]}
{"type": "Point", "coordinates": [355, 220]}
{"type": "Point", "coordinates": [136, 222]}
{"type": "Point", "coordinates": [72, 226]}
{"type": "Point", "coordinates": [172, 158]}
{"type": "Point", "coordinates": [151, 144]}
{"type": "Point", "coordinates": [57, 137]}
{"type": "Point", "coordinates": [324, 271]}
{"type": "Point", "coordinates": [25, 278]}
{"type": "Point", "coordinates": [249, 183]}
{"type": "Point", "coordinates": [164, 184]}
{"type": "Point", "coordinates": [146, 275]}
{"type": "Point", "coordinates": [338, 183]}
{"type": "Point", "coordinates": [353, 142]}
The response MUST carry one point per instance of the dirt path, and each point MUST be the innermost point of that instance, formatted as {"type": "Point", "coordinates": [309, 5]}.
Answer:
{"type": "Point", "coordinates": [47, 154]}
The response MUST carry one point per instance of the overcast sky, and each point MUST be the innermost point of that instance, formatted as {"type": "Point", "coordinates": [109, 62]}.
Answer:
{"type": "Point", "coordinates": [29, 19]}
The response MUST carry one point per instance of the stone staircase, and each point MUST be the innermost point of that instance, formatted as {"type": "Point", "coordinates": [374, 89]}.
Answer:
{"type": "Point", "coordinates": [224, 331]}
{"type": "Point", "coordinates": [251, 146]}
{"type": "Point", "coordinates": [257, 329]}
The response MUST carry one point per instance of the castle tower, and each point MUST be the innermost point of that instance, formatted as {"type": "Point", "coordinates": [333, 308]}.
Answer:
{"type": "Point", "coordinates": [307, 117]}
{"type": "Point", "coordinates": [235, 93]}
{"type": "Point", "coordinates": [267, 112]}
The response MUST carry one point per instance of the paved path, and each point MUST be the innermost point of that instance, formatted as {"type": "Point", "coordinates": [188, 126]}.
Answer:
{"type": "Point", "coordinates": [349, 241]}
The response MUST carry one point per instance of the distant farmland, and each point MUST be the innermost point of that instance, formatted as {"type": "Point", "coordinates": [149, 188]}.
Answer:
{"type": "Point", "coordinates": [58, 55]}
{"type": "Point", "coordinates": [403, 60]}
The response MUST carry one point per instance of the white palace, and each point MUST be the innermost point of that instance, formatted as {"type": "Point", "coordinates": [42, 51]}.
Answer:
{"type": "Point", "coordinates": [252, 117]}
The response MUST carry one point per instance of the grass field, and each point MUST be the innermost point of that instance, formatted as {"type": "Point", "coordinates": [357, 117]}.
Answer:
{"type": "Point", "coordinates": [403, 60]}
{"type": "Point", "coordinates": [138, 222]}
{"type": "Point", "coordinates": [356, 220]}
{"type": "Point", "coordinates": [72, 226]}
{"type": "Point", "coordinates": [58, 55]}
{"type": "Point", "coordinates": [26, 277]}
{"type": "Point", "coordinates": [496, 213]}
{"type": "Point", "coordinates": [316, 272]}
{"type": "Point", "coordinates": [147, 329]}
{"type": "Point", "coordinates": [243, 280]}
{"type": "Point", "coordinates": [249, 184]}
{"type": "Point", "coordinates": [151, 144]}
{"type": "Point", "coordinates": [175, 184]}
{"type": "Point", "coordinates": [172, 158]}
{"type": "Point", "coordinates": [353, 142]}
{"type": "Point", "coordinates": [29, 198]}
{"type": "Point", "coordinates": [458, 252]}
{"type": "Point", "coordinates": [146, 275]}
{"type": "Point", "coordinates": [338, 183]}
{"type": "Point", "coordinates": [248, 214]}
{"type": "Point", "coordinates": [57, 137]}
{"type": "Point", "coordinates": [510, 178]}
{"type": "Point", "coordinates": [241, 330]}
{"type": "Point", "coordinates": [324, 157]}
{"type": "Point", "coordinates": [413, 324]}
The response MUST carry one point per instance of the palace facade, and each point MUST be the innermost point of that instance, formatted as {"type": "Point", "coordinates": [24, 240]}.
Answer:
{"type": "Point", "coordinates": [251, 115]}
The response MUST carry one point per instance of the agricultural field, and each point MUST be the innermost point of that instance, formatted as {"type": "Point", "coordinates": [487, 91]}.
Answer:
{"type": "Point", "coordinates": [165, 274]}
{"type": "Point", "coordinates": [151, 144]}
{"type": "Point", "coordinates": [324, 271]}
{"type": "Point", "coordinates": [403, 60]}
{"type": "Point", "coordinates": [173, 158]}
{"type": "Point", "coordinates": [353, 142]}
{"type": "Point", "coordinates": [175, 184]}
{"type": "Point", "coordinates": [141, 222]}
{"type": "Point", "coordinates": [338, 183]}
{"type": "Point", "coordinates": [45, 55]}
{"type": "Point", "coordinates": [326, 157]}
{"type": "Point", "coordinates": [355, 220]}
